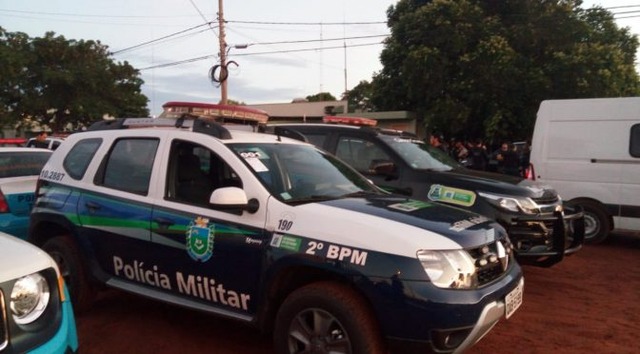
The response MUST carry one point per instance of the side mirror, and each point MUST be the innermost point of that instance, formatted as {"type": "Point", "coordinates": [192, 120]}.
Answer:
{"type": "Point", "coordinates": [232, 199]}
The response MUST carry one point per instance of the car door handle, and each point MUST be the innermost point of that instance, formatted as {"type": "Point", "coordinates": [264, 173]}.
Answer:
{"type": "Point", "coordinates": [164, 222]}
{"type": "Point", "coordinates": [92, 206]}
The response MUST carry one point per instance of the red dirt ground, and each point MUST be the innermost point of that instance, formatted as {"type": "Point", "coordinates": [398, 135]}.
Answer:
{"type": "Point", "coordinates": [589, 303]}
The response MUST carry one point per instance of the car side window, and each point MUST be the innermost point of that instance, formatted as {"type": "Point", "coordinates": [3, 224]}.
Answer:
{"type": "Point", "coordinates": [128, 165]}
{"type": "Point", "coordinates": [634, 141]}
{"type": "Point", "coordinates": [79, 157]}
{"type": "Point", "coordinates": [316, 139]}
{"type": "Point", "coordinates": [360, 153]}
{"type": "Point", "coordinates": [195, 172]}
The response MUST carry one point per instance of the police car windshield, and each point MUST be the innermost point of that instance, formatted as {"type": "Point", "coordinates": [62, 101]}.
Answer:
{"type": "Point", "coordinates": [299, 173]}
{"type": "Point", "coordinates": [420, 155]}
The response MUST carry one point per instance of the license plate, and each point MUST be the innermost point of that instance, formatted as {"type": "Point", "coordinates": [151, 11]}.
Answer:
{"type": "Point", "coordinates": [513, 300]}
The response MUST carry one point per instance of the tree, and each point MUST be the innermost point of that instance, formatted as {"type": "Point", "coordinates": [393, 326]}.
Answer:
{"type": "Point", "coordinates": [359, 97]}
{"type": "Point", "coordinates": [481, 67]}
{"type": "Point", "coordinates": [320, 97]}
{"type": "Point", "coordinates": [58, 82]}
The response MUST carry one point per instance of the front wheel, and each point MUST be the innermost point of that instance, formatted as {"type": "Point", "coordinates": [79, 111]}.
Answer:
{"type": "Point", "coordinates": [67, 256]}
{"type": "Point", "coordinates": [596, 221]}
{"type": "Point", "coordinates": [326, 317]}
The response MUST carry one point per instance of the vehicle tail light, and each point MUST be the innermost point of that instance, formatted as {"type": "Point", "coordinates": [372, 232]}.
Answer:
{"type": "Point", "coordinates": [4, 207]}
{"type": "Point", "coordinates": [529, 173]}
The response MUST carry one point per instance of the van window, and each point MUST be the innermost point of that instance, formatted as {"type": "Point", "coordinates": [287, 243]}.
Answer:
{"type": "Point", "coordinates": [634, 141]}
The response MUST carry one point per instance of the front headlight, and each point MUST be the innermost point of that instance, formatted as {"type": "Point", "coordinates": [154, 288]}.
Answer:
{"type": "Point", "coordinates": [29, 298]}
{"type": "Point", "coordinates": [514, 204]}
{"type": "Point", "coordinates": [452, 269]}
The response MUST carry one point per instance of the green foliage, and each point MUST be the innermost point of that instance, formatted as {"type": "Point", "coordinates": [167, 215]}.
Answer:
{"type": "Point", "coordinates": [320, 97]}
{"type": "Point", "coordinates": [61, 83]}
{"type": "Point", "coordinates": [359, 98]}
{"type": "Point", "coordinates": [476, 68]}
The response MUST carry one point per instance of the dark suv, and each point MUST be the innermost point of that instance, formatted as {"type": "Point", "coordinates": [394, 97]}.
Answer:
{"type": "Point", "coordinates": [542, 229]}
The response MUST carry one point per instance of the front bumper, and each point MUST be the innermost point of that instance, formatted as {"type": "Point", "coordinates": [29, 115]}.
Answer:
{"type": "Point", "coordinates": [416, 317]}
{"type": "Point", "coordinates": [543, 240]}
{"type": "Point", "coordinates": [66, 339]}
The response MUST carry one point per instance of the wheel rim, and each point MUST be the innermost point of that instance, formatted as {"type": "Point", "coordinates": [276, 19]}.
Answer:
{"type": "Point", "coordinates": [591, 226]}
{"type": "Point", "coordinates": [318, 331]}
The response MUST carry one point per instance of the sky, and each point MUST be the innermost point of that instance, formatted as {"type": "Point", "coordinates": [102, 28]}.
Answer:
{"type": "Point", "coordinates": [283, 49]}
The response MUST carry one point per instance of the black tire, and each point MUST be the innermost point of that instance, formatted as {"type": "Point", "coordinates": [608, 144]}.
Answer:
{"type": "Point", "coordinates": [341, 314]}
{"type": "Point", "coordinates": [597, 223]}
{"type": "Point", "coordinates": [67, 256]}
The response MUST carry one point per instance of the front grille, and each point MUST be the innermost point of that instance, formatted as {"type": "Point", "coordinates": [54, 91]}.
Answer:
{"type": "Point", "coordinates": [547, 199]}
{"type": "Point", "coordinates": [491, 260]}
{"type": "Point", "coordinates": [4, 333]}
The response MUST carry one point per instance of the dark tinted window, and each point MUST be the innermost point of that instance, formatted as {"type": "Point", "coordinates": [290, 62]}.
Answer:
{"type": "Point", "coordinates": [78, 159]}
{"type": "Point", "coordinates": [16, 164]}
{"type": "Point", "coordinates": [129, 164]}
{"type": "Point", "coordinates": [361, 154]}
{"type": "Point", "coordinates": [316, 139]}
{"type": "Point", "coordinates": [195, 172]}
{"type": "Point", "coordinates": [634, 141]}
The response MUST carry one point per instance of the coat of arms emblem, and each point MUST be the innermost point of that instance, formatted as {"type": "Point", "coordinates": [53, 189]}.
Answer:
{"type": "Point", "coordinates": [200, 236]}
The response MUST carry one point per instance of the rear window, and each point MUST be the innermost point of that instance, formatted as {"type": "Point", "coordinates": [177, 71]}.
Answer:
{"type": "Point", "coordinates": [17, 164]}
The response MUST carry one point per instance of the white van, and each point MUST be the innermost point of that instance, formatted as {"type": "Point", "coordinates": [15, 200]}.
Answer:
{"type": "Point", "coordinates": [589, 151]}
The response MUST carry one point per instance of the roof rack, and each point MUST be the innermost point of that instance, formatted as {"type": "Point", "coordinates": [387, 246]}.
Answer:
{"type": "Point", "coordinates": [186, 121]}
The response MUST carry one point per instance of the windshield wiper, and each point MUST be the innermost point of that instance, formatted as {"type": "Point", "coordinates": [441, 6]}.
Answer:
{"type": "Point", "coordinates": [359, 194]}
{"type": "Point", "coordinates": [311, 199]}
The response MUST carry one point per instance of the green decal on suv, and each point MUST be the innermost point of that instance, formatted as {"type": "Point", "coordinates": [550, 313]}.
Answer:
{"type": "Point", "coordinates": [440, 193]}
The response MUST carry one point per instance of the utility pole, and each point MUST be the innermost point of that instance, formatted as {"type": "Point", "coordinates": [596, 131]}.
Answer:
{"type": "Point", "coordinates": [223, 55]}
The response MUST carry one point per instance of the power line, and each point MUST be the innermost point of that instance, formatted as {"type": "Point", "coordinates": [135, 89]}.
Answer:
{"type": "Point", "coordinates": [175, 63]}
{"type": "Point", "coordinates": [320, 40]}
{"type": "Point", "coordinates": [620, 7]}
{"type": "Point", "coordinates": [81, 15]}
{"type": "Point", "coordinates": [161, 38]}
{"type": "Point", "coordinates": [203, 17]}
{"type": "Point", "coordinates": [307, 23]}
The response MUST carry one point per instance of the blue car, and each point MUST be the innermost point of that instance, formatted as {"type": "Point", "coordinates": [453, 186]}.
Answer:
{"type": "Point", "coordinates": [19, 171]}
{"type": "Point", "coordinates": [36, 315]}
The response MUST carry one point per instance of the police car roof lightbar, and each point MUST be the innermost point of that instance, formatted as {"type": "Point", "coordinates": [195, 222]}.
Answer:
{"type": "Point", "coordinates": [350, 120]}
{"type": "Point", "coordinates": [219, 112]}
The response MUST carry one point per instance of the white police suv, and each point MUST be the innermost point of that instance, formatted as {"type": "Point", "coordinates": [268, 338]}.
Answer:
{"type": "Point", "coordinates": [271, 231]}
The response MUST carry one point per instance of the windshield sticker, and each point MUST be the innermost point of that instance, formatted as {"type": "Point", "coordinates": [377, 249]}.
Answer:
{"type": "Point", "coordinates": [440, 193]}
{"type": "Point", "coordinates": [410, 206]}
{"type": "Point", "coordinates": [285, 195]}
{"type": "Point", "coordinates": [253, 158]}
{"type": "Point", "coordinates": [286, 242]}
{"type": "Point", "coordinates": [468, 223]}
{"type": "Point", "coordinates": [200, 237]}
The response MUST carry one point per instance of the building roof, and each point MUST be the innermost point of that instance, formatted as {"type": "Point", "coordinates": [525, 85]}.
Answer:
{"type": "Point", "coordinates": [302, 109]}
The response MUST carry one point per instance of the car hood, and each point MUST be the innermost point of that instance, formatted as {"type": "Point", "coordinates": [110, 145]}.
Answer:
{"type": "Point", "coordinates": [19, 258]}
{"type": "Point", "coordinates": [408, 224]}
{"type": "Point", "coordinates": [480, 181]}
